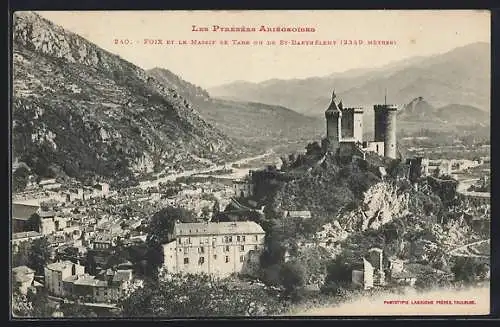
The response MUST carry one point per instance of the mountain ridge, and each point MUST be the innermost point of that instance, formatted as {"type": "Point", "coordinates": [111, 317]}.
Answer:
{"type": "Point", "coordinates": [255, 124]}
{"type": "Point", "coordinates": [84, 111]}
{"type": "Point", "coordinates": [449, 78]}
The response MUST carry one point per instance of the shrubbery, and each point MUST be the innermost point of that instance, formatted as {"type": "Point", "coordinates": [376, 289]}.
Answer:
{"type": "Point", "coordinates": [197, 296]}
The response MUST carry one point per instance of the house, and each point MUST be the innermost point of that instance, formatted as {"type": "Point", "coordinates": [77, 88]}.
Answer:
{"type": "Point", "coordinates": [242, 188]}
{"type": "Point", "coordinates": [23, 278]}
{"type": "Point", "coordinates": [219, 248]}
{"type": "Point", "coordinates": [103, 241]}
{"type": "Point", "coordinates": [56, 272]}
{"type": "Point", "coordinates": [306, 214]}
{"type": "Point", "coordinates": [107, 287]}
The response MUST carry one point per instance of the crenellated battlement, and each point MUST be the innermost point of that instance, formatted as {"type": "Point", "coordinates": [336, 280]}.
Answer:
{"type": "Point", "coordinates": [356, 110]}
{"type": "Point", "coordinates": [385, 107]}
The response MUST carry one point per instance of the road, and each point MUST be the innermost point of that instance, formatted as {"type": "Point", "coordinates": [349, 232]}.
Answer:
{"type": "Point", "coordinates": [463, 251]}
{"type": "Point", "coordinates": [173, 177]}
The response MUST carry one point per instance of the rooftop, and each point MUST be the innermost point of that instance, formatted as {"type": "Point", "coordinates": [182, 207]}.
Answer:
{"type": "Point", "coordinates": [60, 266]}
{"type": "Point", "coordinates": [47, 214]}
{"type": "Point", "coordinates": [86, 280]}
{"type": "Point", "coordinates": [21, 235]}
{"type": "Point", "coordinates": [219, 228]}
{"type": "Point", "coordinates": [122, 275]}
{"type": "Point", "coordinates": [23, 211]}
{"type": "Point", "coordinates": [21, 273]}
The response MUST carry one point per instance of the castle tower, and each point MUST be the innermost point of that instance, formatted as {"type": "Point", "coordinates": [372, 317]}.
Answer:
{"type": "Point", "coordinates": [333, 125]}
{"type": "Point", "coordinates": [385, 128]}
{"type": "Point", "coordinates": [352, 124]}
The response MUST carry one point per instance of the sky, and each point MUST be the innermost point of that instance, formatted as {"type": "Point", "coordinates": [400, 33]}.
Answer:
{"type": "Point", "coordinates": [416, 33]}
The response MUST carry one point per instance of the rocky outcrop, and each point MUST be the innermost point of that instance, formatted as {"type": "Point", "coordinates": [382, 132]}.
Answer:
{"type": "Point", "coordinates": [381, 204]}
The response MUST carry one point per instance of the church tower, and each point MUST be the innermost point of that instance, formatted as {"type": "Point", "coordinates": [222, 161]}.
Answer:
{"type": "Point", "coordinates": [333, 117]}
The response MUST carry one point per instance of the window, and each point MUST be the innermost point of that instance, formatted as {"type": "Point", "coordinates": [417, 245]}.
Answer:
{"type": "Point", "coordinates": [215, 256]}
{"type": "Point", "coordinates": [180, 240]}
{"type": "Point", "coordinates": [189, 240]}
{"type": "Point", "coordinates": [242, 258]}
{"type": "Point", "coordinates": [255, 247]}
{"type": "Point", "coordinates": [230, 239]}
{"type": "Point", "coordinates": [242, 248]}
{"type": "Point", "coordinates": [201, 260]}
{"type": "Point", "coordinates": [238, 238]}
{"type": "Point", "coordinates": [186, 250]}
{"type": "Point", "coordinates": [186, 261]}
{"type": "Point", "coordinates": [201, 249]}
{"type": "Point", "coordinates": [243, 238]}
{"type": "Point", "coordinates": [256, 237]}
{"type": "Point", "coordinates": [227, 248]}
{"type": "Point", "coordinates": [227, 259]}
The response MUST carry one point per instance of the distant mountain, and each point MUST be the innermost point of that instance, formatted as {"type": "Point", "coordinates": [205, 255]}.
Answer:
{"type": "Point", "coordinates": [255, 124]}
{"type": "Point", "coordinates": [417, 109]}
{"type": "Point", "coordinates": [85, 112]}
{"type": "Point", "coordinates": [461, 75]}
{"type": "Point", "coordinates": [458, 114]}
{"type": "Point", "coordinates": [419, 114]}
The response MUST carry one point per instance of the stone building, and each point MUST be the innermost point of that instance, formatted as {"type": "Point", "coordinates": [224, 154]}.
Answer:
{"type": "Point", "coordinates": [56, 272]}
{"type": "Point", "coordinates": [373, 274]}
{"type": "Point", "coordinates": [243, 188]}
{"type": "Point", "coordinates": [218, 249]}
{"type": "Point", "coordinates": [385, 128]}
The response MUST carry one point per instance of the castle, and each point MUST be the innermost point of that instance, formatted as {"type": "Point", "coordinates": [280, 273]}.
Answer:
{"type": "Point", "coordinates": [344, 129]}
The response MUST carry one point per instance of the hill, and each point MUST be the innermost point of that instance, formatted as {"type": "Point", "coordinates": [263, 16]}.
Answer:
{"type": "Point", "coordinates": [442, 79]}
{"type": "Point", "coordinates": [255, 124]}
{"type": "Point", "coordinates": [82, 111]}
{"type": "Point", "coordinates": [453, 119]}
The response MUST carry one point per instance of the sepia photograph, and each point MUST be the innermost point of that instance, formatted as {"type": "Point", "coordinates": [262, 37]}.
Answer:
{"type": "Point", "coordinates": [246, 163]}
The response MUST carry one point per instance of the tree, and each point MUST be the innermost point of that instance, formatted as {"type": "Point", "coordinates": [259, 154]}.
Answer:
{"type": "Point", "coordinates": [39, 255]}
{"type": "Point", "coordinates": [41, 305]}
{"type": "Point", "coordinates": [468, 270]}
{"type": "Point", "coordinates": [430, 280]}
{"type": "Point", "coordinates": [35, 222]}
{"type": "Point", "coordinates": [205, 213]}
{"type": "Point", "coordinates": [20, 179]}
{"type": "Point", "coordinates": [21, 306]}
{"type": "Point", "coordinates": [339, 274]}
{"type": "Point", "coordinates": [196, 296]}
{"type": "Point", "coordinates": [292, 277]}
{"type": "Point", "coordinates": [20, 257]}
{"type": "Point", "coordinates": [162, 224]}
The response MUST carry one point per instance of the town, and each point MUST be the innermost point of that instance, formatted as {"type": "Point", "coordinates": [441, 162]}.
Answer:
{"type": "Point", "coordinates": [91, 245]}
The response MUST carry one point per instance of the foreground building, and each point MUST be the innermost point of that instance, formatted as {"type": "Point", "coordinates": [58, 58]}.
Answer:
{"type": "Point", "coordinates": [218, 249]}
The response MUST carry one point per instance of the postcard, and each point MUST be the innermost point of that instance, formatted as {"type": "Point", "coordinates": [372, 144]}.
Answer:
{"type": "Point", "coordinates": [179, 164]}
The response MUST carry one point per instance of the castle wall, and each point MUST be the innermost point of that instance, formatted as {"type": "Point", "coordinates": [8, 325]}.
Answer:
{"type": "Point", "coordinates": [380, 122]}
{"type": "Point", "coordinates": [347, 123]}
{"type": "Point", "coordinates": [358, 125]}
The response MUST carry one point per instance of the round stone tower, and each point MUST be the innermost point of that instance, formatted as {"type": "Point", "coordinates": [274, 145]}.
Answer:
{"type": "Point", "coordinates": [385, 128]}
{"type": "Point", "coordinates": [333, 125]}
